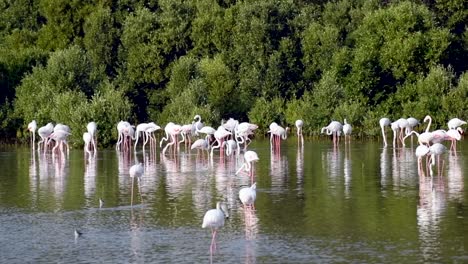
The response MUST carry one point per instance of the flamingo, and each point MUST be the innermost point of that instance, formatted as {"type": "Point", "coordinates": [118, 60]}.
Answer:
{"type": "Point", "coordinates": [454, 135]}
{"type": "Point", "coordinates": [92, 129]}
{"type": "Point", "coordinates": [186, 133]}
{"type": "Point", "coordinates": [150, 129]}
{"type": "Point", "coordinates": [125, 130]}
{"type": "Point", "coordinates": [455, 122]}
{"type": "Point", "coordinates": [299, 124]}
{"type": "Point", "coordinates": [247, 196]}
{"type": "Point", "coordinates": [278, 133]}
{"type": "Point", "coordinates": [220, 135]}
{"type": "Point", "coordinates": [140, 129]}
{"type": "Point", "coordinates": [403, 125]}
{"type": "Point", "coordinates": [383, 123]}
{"type": "Point", "coordinates": [230, 125]}
{"type": "Point", "coordinates": [136, 171]}
{"type": "Point", "coordinates": [334, 128]}
{"type": "Point", "coordinates": [421, 151]}
{"type": "Point", "coordinates": [198, 124]}
{"type": "Point", "coordinates": [87, 140]}
{"type": "Point", "coordinates": [242, 131]}
{"type": "Point", "coordinates": [426, 137]}
{"type": "Point", "coordinates": [249, 157]}
{"type": "Point", "coordinates": [231, 146]}
{"type": "Point", "coordinates": [32, 126]}
{"type": "Point", "coordinates": [44, 132]}
{"type": "Point", "coordinates": [347, 129]}
{"type": "Point", "coordinates": [436, 149]}
{"type": "Point", "coordinates": [60, 137]}
{"type": "Point", "coordinates": [172, 130]}
{"type": "Point", "coordinates": [412, 122]}
{"type": "Point", "coordinates": [272, 127]}
{"type": "Point", "coordinates": [214, 219]}
{"type": "Point", "coordinates": [201, 144]}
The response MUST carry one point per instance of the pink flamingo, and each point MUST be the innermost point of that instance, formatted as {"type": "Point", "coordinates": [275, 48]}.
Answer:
{"type": "Point", "coordinates": [173, 131]}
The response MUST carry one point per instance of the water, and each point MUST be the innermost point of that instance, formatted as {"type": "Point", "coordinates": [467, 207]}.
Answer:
{"type": "Point", "coordinates": [358, 203]}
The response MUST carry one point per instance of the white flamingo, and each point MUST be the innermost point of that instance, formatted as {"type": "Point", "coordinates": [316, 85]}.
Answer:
{"type": "Point", "coordinates": [214, 219]}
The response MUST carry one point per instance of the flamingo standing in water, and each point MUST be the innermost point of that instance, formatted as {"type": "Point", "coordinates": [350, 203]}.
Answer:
{"type": "Point", "coordinates": [87, 141]}
{"type": "Point", "coordinates": [436, 150]}
{"type": "Point", "coordinates": [247, 196]}
{"type": "Point", "coordinates": [383, 122]}
{"type": "Point", "coordinates": [334, 128]}
{"type": "Point", "coordinates": [197, 125]}
{"type": "Point", "coordinates": [250, 157]}
{"type": "Point", "coordinates": [172, 130]}
{"type": "Point", "coordinates": [220, 135]}
{"type": "Point", "coordinates": [454, 135]}
{"type": "Point", "coordinates": [136, 171]}
{"type": "Point", "coordinates": [347, 129]}
{"type": "Point", "coordinates": [140, 130]}
{"type": "Point", "coordinates": [299, 124]}
{"type": "Point", "coordinates": [421, 151]}
{"type": "Point", "coordinates": [201, 144]}
{"type": "Point", "coordinates": [32, 126]}
{"type": "Point", "coordinates": [214, 219]}
{"type": "Point", "coordinates": [44, 132]}
{"type": "Point", "coordinates": [92, 129]}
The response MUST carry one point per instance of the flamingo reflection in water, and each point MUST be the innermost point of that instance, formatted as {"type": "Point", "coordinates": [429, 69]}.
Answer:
{"type": "Point", "coordinates": [455, 180]}
{"type": "Point", "coordinates": [136, 171]}
{"type": "Point", "coordinates": [214, 219]}
{"type": "Point", "coordinates": [432, 204]}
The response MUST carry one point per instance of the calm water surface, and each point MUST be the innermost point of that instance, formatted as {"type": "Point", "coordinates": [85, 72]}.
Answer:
{"type": "Point", "coordinates": [357, 203]}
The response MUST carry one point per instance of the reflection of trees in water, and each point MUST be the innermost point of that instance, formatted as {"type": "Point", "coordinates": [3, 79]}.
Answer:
{"type": "Point", "coordinates": [432, 203]}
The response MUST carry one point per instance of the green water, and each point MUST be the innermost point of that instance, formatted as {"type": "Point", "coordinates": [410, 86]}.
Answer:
{"type": "Point", "coordinates": [356, 203]}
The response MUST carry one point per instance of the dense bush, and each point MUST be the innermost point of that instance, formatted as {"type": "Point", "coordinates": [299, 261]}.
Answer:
{"type": "Point", "coordinates": [263, 61]}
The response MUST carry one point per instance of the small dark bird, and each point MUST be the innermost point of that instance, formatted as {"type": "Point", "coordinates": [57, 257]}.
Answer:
{"type": "Point", "coordinates": [77, 234]}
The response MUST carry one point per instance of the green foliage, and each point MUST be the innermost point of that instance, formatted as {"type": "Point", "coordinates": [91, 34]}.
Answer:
{"type": "Point", "coordinates": [99, 40]}
{"type": "Point", "coordinates": [266, 60]}
{"type": "Point", "coordinates": [424, 97]}
{"type": "Point", "coordinates": [454, 103]}
{"type": "Point", "coordinates": [264, 112]}
{"type": "Point", "coordinates": [182, 108]}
